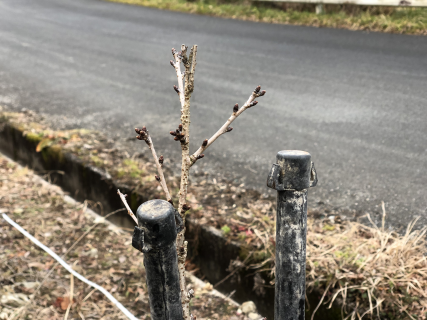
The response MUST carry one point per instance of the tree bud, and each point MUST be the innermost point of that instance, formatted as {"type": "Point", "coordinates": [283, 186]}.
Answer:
{"type": "Point", "coordinates": [176, 138]}
{"type": "Point", "coordinates": [257, 89]}
{"type": "Point", "coordinates": [173, 51]}
{"type": "Point", "coordinates": [253, 103]}
{"type": "Point", "coordinates": [205, 143]}
{"type": "Point", "coordinates": [236, 108]}
{"type": "Point", "coordinates": [161, 159]}
{"type": "Point", "coordinates": [173, 133]}
{"type": "Point", "coordinates": [180, 127]}
{"type": "Point", "coordinates": [157, 178]}
{"type": "Point", "coordinates": [186, 207]}
{"type": "Point", "coordinates": [176, 89]}
{"type": "Point", "coordinates": [144, 128]}
{"type": "Point", "coordinates": [139, 138]}
{"type": "Point", "coordinates": [228, 129]}
{"type": "Point", "coordinates": [200, 156]}
{"type": "Point", "coordinates": [172, 63]}
{"type": "Point", "coordinates": [137, 130]}
{"type": "Point", "coordinates": [262, 93]}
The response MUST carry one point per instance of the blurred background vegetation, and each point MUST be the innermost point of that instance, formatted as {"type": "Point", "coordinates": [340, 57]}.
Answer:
{"type": "Point", "coordinates": [384, 19]}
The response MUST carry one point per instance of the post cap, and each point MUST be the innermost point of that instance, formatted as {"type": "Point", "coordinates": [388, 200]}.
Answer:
{"type": "Point", "coordinates": [293, 170]}
{"type": "Point", "coordinates": [156, 218]}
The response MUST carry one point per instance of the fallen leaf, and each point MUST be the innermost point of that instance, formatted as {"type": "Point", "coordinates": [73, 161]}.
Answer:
{"type": "Point", "coordinates": [65, 302]}
{"type": "Point", "coordinates": [44, 143]}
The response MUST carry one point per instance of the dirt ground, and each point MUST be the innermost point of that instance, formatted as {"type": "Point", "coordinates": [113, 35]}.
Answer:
{"type": "Point", "coordinates": [33, 286]}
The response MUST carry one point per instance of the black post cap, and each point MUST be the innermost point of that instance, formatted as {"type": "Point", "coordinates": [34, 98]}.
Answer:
{"type": "Point", "coordinates": [293, 171]}
{"type": "Point", "coordinates": [157, 220]}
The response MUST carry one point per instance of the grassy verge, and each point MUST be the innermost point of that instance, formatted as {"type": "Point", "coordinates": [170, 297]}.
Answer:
{"type": "Point", "coordinates": [372, 271]}
{"type": "Point", "coordinates": [394, 20]}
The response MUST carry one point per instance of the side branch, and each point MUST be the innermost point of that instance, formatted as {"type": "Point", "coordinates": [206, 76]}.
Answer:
{"type": "Point", "coordinates": [123, 198]}
{"type": "Point", "coordinates": [144, 135]}
{"type": "Point", "coordinates": [159, 170]}
{"type": "Point", "coordinates": [226, 126]}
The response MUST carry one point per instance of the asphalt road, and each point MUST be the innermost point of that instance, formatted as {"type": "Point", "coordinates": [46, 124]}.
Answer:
{"type": "Point", "coordinates": [356, 101]}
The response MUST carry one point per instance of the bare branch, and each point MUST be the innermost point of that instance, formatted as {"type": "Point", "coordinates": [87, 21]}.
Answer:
{"type": "Point", "coordinates": [144, 135]}
{"type": "Point", "coordinates": [226, 126]}
{"type": "Point", "coordinates": [182, 134]}
{"type": "Point", "coordinates": [177, 65]}
{"type": "Point", "coordinates": [123, 197]}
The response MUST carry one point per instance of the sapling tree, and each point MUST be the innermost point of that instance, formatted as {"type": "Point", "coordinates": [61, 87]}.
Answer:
{"type": "Point", "coordinates": [184, 89]}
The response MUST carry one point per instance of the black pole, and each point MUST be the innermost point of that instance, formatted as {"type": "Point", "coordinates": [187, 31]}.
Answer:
{"type": "Point", "coordinates": [291, 176]}
{"type": "Point", "coordinates": [155, 236]}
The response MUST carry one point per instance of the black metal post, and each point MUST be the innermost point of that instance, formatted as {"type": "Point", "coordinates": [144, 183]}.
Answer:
{"type": "Point", "coordinates": [291, 176]}
{"type": "Point", "coordinates": [155, 236]}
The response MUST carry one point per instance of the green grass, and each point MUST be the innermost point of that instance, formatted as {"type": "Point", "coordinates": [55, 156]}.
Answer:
{"type": "Point", "coordinates": [394, 20]}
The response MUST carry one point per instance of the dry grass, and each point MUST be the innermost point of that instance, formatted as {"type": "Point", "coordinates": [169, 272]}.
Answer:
{"type": "Point", "coordinates": [375, 272]}
{"type": "Point", "coordinates": [32, 286]}
{"type": "Point", "coordinates": [393, 20]}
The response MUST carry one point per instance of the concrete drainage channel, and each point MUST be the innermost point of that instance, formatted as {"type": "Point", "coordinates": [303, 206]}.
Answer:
{"type": "Point", "coordinates": [208, 249]}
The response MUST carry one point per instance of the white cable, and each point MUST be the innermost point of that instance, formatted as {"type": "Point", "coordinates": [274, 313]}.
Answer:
{"type": "Point", "coordinates": [69, 269]}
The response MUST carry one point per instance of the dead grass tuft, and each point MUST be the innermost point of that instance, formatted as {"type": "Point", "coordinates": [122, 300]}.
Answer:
{"type": "Point", "coordinates": [387, 270]}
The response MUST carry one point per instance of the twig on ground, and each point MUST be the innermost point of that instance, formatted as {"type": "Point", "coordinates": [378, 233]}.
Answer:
{"type": "Point", "coordinates": [71, 296]}
{"type": "Point", "coordinates": [321, 300]}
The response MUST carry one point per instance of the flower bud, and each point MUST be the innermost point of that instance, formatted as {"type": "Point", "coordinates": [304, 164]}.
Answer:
{"type": "Point", "coordinates": [161, 159]}
{"type": "Point", "coordinates": [176, 89]}
{"type": "Point", "coordinates": [262, 93]}
{"type": "Point", "coordinates": [200, 156]}
{"type": "Point", "coordinates": [157, 178]}
{"type": "Point", "coordinates": [173, 133]}
{"type": "Point", "coordinates": [253, 103]}
{"type": "Point", "coordinates": [257, 89]}
{"type": "Point", "coordinates": [236, 108]}
{"type": "Point", "coordinates": [205, 143]}
{"type": "Point", "coordinates": [228, 129]}
{"type": "Point", "coordinates": [180, 127]}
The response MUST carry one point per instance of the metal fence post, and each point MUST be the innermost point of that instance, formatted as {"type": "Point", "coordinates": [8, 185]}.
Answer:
{"type": "Point", "coordinates": [155, 236]}
{"type": "Point", "coordinates": [291, 176]}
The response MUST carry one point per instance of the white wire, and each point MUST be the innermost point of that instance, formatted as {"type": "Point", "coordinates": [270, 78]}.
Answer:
{"type": "Point", "coordinates": [69, 269]}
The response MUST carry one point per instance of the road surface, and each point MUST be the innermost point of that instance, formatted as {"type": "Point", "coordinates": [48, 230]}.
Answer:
{"type": "Point", "coordinates": [356, 101]}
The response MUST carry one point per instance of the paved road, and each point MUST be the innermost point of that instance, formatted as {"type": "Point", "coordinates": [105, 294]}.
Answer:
{"type": "Point", "coordinates": [356, 101]}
